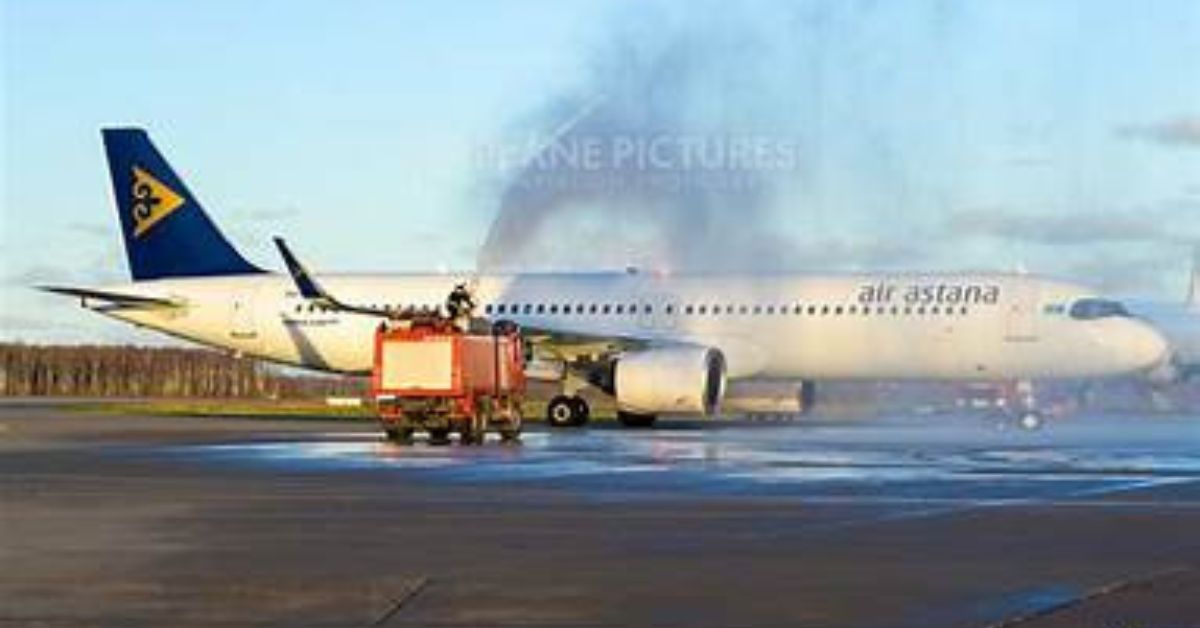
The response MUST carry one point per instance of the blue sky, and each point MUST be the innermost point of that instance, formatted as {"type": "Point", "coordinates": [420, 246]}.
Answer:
{"type": "Point", "coordinates": [1063, 137]}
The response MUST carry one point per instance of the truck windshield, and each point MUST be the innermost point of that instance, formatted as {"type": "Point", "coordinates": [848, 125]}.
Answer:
{"type": "Point", "coordinates": [1089, 309]}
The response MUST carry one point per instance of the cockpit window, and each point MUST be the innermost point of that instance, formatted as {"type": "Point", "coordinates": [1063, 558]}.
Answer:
{"type": "Point", "coordinates": [1090, 309]}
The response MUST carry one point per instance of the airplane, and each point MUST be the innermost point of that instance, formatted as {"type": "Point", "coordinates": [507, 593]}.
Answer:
{"type": "Point", "coordinates": [659, 343]}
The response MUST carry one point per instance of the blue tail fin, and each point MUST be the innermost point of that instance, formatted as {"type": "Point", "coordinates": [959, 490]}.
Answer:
{"type": "Point", "coordinates": [167, 233]}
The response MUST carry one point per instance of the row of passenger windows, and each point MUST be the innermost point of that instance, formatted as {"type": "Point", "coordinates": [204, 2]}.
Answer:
{"type": "Point", "coordinates": [718, 310]}
{"type": "Point", "coordinates": [608, 309]}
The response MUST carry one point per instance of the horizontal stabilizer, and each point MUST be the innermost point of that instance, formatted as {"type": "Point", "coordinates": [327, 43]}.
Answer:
{"type": "Point", "coordinates": [117, 298]}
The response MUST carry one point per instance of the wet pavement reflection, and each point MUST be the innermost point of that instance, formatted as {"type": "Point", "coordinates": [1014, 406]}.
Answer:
{"type": "Point", "coordinates": [951, 458]}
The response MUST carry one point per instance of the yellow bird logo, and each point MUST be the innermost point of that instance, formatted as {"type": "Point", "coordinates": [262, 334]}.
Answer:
{"type": "Point", "coordinates": [152, 201]}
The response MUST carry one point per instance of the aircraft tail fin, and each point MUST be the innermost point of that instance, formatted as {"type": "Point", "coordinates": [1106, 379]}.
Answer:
{"type": "Point", "coordinates": [166, 231]}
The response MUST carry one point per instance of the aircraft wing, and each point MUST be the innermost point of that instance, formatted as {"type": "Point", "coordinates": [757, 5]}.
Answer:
{"type": "Point", "coordinates": [563, 343]}
{"type": "Point", "coordinates": [569, 345]}
{"type": "Point", "coordinates": [115, 298]}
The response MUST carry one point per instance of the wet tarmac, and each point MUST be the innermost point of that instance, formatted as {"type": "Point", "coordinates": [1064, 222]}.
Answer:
{"type": "Point", "coordinates": [930, 521]}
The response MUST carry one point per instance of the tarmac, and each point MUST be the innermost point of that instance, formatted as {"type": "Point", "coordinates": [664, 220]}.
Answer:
{"type": "Point", "coordinates": [907, 521]}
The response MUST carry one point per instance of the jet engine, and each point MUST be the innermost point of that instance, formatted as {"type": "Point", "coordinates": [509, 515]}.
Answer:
{"type": "Point", "coordinates": [683, 379]}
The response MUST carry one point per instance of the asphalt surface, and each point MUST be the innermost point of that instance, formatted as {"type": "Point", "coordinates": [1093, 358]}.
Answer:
{"type": "Point", "coordinates": [937, 521]}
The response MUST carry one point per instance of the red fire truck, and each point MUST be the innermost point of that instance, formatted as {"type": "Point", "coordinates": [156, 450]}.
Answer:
{"type": "Point", "coordinates": [432, 375]}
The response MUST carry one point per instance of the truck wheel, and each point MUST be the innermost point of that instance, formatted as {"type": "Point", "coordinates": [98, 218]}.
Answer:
{"type": "Point", "coordinates": [510, 431]}
{"type": "Point", "coordinates": [630, 419]}
{"type": "Point", "coordinates": [399, 435]}
{"type": "Point", "coordinates": [472, 437]}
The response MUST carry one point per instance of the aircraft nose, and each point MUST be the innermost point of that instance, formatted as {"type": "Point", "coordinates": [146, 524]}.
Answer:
{"type": "Point", "coordinates": [1144, 346]}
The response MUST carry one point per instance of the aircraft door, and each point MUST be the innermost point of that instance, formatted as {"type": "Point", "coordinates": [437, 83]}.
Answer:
{"type": "Point", "coordinates": [242, 324]}
{"type": "Point", "coordinates": [1021, 317]}
{"type": "Point", "coordinates": [647, 307]}
{"type": "Point", "coordinates": [667, 310]}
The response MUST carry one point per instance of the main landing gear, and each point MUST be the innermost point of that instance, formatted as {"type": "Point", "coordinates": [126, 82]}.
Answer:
{"type": "Point", "coordinates": [573, 411]}
{"type": "Point", "coordinates": [565, 411]}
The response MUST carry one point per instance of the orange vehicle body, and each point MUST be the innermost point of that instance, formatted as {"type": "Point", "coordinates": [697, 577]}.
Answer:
{"type": "Point", "coordinates": [432, 375]}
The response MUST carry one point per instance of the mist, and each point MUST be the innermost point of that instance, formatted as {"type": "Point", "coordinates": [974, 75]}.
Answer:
{"type": "Point", "coordinates": [671, 154]}
{"type": "Point", "coordinates": [842, 136]}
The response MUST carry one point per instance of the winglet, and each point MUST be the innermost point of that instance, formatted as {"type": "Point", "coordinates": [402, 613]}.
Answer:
{"type": "Point", "coordinates": [308, 287]}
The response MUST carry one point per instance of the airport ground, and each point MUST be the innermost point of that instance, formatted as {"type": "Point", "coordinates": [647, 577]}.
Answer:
{"type": "Point", "coordinates": [126, 520]}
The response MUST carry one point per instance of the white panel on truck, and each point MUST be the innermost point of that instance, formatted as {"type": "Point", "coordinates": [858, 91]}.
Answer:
{"type": "Point", "coordinates": [427, 365]}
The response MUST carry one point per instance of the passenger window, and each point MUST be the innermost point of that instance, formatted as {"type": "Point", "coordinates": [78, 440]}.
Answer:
{"type": "Point", "coordinates": [758, 309]}
{"type": "Point", "coordinates": [592, 309]}
{"type": "Point", "coordinates": [606, 309]}
{"type": "Point", "coordinates": [620, 309]}
{"type": "Point", "coordinates": [742, 310]}
{"type": "Point", "coordinates": [687, 309]}
{"type": "Point", "coordinates": [853, 309]}
{"type": "Point", "coordinates": [553, 308]}
{"type": "Point", "coordinates": [670, 309]}
{"type": "Point", "coordinates": [838, 310]}
{"type": "Point", "coordinates": [703, 309]}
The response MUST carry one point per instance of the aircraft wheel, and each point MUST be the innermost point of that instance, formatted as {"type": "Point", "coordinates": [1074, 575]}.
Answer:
{"type": "Point", "coordinates": [582, 412]}
{"type": "Point", "coordinates": [630, 419]}
{"type": "Point", "coordinates": [561, 412]}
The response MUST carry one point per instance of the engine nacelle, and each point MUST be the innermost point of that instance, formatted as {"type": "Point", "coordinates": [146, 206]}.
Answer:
{"type": "Point", "coordinates": [686, 380]}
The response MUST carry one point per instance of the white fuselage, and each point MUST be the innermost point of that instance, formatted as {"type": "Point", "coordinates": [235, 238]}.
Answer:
{"type": "Point", "coordinates": [868, 326]}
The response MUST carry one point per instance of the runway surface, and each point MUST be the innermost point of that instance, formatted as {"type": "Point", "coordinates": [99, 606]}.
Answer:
{"type": "Point", "coordinates": [933, 521]}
